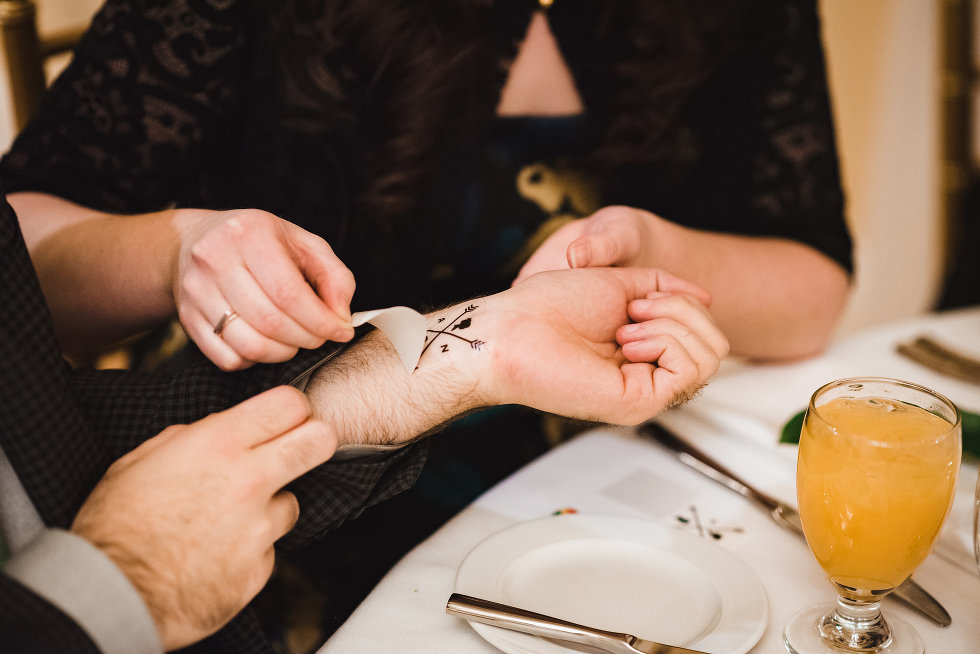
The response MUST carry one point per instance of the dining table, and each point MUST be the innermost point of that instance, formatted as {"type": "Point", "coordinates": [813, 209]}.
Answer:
{"type": "Point", "coordinates": [620, 477]}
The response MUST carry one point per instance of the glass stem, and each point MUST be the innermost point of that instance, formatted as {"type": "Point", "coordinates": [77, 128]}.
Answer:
{"type": "Point", "coordinates": [856, 626]}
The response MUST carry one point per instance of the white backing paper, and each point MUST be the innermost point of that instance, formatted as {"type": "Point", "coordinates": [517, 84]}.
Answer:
{"type": "Point", "coordinates": [404, 328]}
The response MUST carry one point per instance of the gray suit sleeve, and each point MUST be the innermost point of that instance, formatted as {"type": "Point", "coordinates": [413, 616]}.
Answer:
{"type": "Point", "coordinates": [85, 584]}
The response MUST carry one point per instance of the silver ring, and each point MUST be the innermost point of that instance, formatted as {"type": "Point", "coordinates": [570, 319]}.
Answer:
{"type": "Point", "coordinates": [226, 318]}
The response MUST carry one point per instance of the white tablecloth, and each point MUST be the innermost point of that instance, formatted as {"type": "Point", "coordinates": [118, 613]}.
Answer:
{"type": "Point", "coordinates": [614, 472]}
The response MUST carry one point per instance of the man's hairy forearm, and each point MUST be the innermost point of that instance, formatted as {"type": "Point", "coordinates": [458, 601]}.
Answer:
{"type": "Point", "coordinates": [370, 398]}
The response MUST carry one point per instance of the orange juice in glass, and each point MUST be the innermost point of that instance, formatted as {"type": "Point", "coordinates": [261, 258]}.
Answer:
{"type": "Point", "coordinates": [876, 474]}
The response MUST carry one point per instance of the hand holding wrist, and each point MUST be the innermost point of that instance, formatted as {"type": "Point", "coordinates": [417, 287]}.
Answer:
{"type": "Point", "coordinates": [614, 345]}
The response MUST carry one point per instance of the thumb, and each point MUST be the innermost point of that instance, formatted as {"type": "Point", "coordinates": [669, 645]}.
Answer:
{"type": "Point", "coordinates": [594, 250]}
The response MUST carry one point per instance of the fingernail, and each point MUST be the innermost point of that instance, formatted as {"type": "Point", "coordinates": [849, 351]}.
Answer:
{"type": "Point", "coordinates": [578, 255]}
{"type": "Point", "coordinates": [630, 329]}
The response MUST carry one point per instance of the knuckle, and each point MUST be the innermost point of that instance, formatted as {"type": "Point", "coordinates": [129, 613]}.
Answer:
{"type": "Point", "coordinates": [610, 248]}
{"type": "Point", "coordinates": [252, 350]}
{"type": "Point", "coordinates": [192, 286]}
{"type": "Point", "coordinates": [254, 223]}
{"type": "Point", "coordinates": [285, 293]}
{"type": "Point", "coordinates": [231, 362]}
{"type": "Point", "coordinates": [237, 224]}
{"type": "Point", "coordinates": [314, 340]}
{"type": "Point", "coordinates": [204, 251]}
{"type": "Point", "coordinates": [298, 453]}
{"type": "Point", "coordinates": [172, 430]}
{"type": "Point", "coordinates": [250, 485]}
{"type": "Point", "coordinates": [324, 326]}
{"type": "Point", "coordinates": [269, 322]}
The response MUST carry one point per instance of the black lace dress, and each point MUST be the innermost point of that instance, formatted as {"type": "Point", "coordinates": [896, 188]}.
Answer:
{"type": "Point", "coordinates": [186, 103]}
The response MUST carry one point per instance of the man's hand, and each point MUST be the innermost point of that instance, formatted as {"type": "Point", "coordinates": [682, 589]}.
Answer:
{"type": "Point", "coordinates": [286, 285]}
{"type": "Point", "coordinates": [616, 345]}
{"type": "Point", "coordinates": [190, 516]}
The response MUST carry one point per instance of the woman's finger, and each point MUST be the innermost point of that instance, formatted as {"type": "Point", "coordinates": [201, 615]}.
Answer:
{"type": "Point", "coordinates": [331, 279]}
{"type": "Point", "coordinates": [279, 275]}
{"type": "Point", "coordinates": [231, 342]}
{"type": "Point", "coordinates": [682, 309]}
{"type": "Point", "coordinates": [246, 295]}
{"type": "Point", "coordinates": [674, 378]}
{"type": "Point", "coordinates": [200, 329]}
{"type": "Point", "coordinates": [644, 344]}
{"type": "Point", "coordinates": [252, 346]}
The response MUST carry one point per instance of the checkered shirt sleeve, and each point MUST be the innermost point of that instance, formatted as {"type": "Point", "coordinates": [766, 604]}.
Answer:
{"type": "Point", "coordinates": [61, 428]}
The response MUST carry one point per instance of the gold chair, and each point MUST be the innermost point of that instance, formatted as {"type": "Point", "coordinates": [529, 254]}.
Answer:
{"type": "Point", "coordinates": [23, 53]}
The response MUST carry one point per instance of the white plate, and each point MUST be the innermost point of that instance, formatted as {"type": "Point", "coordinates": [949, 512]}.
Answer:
{"type": "Point", "coordinates": [618, 574]}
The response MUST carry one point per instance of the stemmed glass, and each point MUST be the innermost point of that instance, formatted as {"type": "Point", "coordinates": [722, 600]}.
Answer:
{"type": "Point", "coordinates": [875, 480]}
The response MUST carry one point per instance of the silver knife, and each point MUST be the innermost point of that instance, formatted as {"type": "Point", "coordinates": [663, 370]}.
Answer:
{"type": "Point", "coordinates": [555, 629]}
{"type": "Point", "coordinates": [909, 593]}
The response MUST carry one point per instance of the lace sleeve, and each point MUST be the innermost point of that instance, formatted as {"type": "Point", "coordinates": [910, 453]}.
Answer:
{"type": "Point", "coordinates": [153, 91]}
{"type": "Point", "coordinates": [751, 150]}
{"type": "Point", "coordinates": [794, 173]}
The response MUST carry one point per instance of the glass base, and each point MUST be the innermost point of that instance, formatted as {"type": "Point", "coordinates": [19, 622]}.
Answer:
{"type": "Point", "coordinates": [802, 635]}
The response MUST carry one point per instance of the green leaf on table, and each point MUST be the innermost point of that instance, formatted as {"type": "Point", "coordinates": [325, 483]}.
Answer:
{"type": "Point", "coordinates": [971, 431]}
{"type": "Point", "coordinates": [791, 430]}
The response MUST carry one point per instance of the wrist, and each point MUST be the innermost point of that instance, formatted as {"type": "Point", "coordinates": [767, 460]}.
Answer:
{"type": "Point", "coordinates": [186, 227]}
{"type": "Point", "coordinates": [369, 397]}
{"type": "Point", "coordinates": [650, 239]}
{"type": "Point", "coordinates": [462, 343]}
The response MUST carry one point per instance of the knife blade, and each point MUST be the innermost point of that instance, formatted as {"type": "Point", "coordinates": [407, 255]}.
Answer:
{"type": "Point", "coordinates": [909, 593]}
{"type": "Point", "coordinates": [555, 629]}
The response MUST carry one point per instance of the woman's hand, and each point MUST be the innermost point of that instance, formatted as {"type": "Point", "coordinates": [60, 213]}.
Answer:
{"type": "Point", "coordinates": [250, 287]}
{"type": "Point", "coordinates": [612, 236]}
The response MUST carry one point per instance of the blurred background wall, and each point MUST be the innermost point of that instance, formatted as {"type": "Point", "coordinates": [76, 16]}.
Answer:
{"type": "Point", "coordinates": [883, 58]}
{"type": "Point", "coordinates": [895, 83]}
{"type": "Point", "coordinates": [54, 18]}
